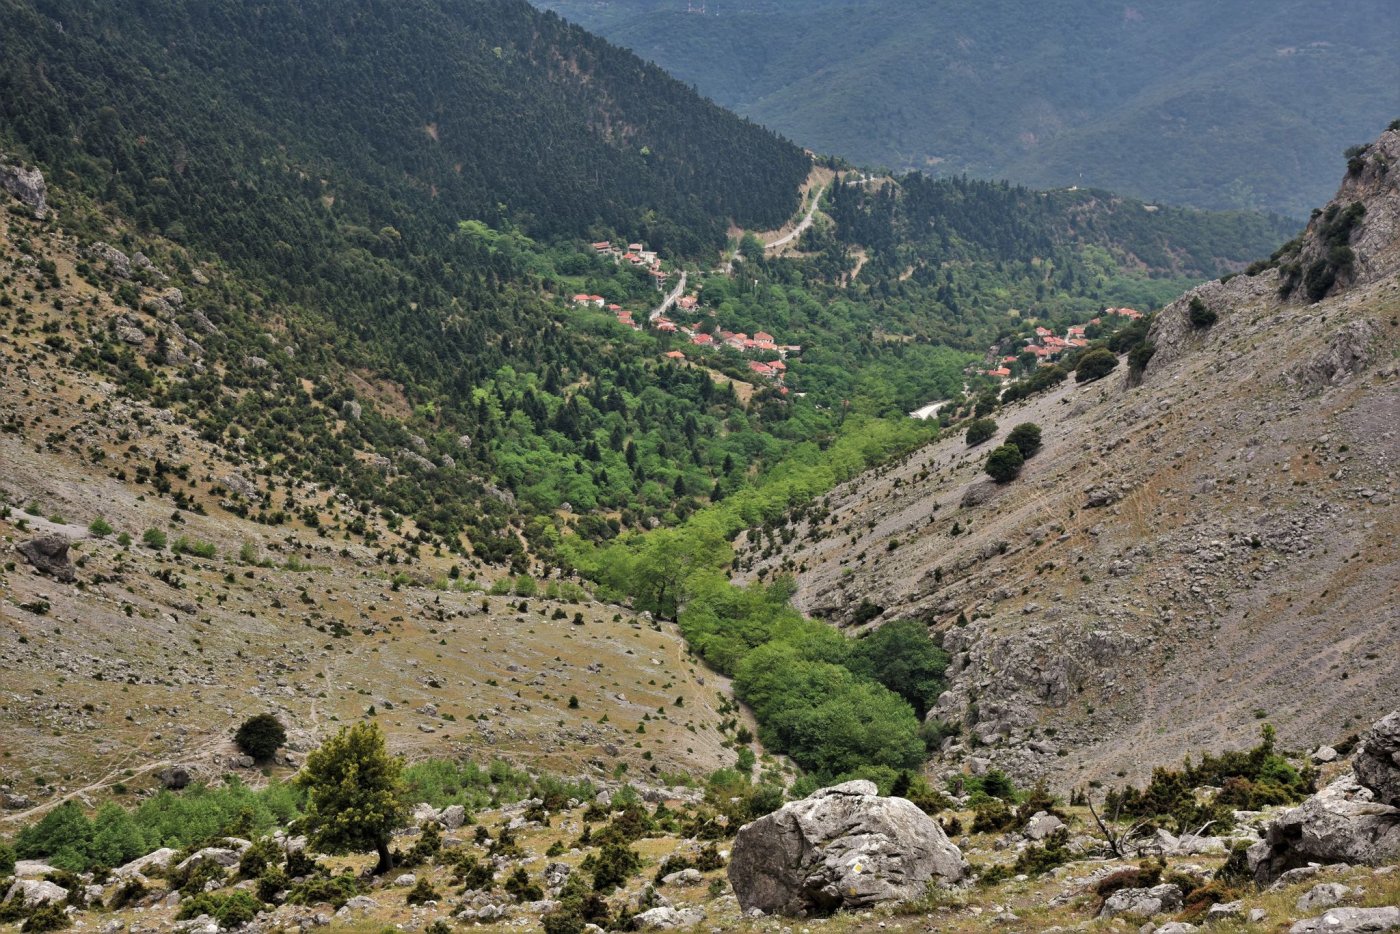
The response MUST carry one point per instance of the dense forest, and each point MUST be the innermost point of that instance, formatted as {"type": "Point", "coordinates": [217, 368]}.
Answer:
{"type": "Point", "coordinates": [1218, 105]}
{"type": "Point", "coordinates": [389, 203]}
{"type": "Point", "coordinates": [375, 126]}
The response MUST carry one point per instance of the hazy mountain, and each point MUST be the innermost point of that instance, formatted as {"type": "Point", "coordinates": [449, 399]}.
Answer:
{"type": "Point", "coordinates": [1218, 105]}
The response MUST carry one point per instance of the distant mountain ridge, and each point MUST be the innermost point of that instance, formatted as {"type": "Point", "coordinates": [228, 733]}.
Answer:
{"type": "Point", "coordinates": [1240, 105]}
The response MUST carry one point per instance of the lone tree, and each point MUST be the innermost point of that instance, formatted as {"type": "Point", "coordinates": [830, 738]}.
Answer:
{"type": "Point", "coordinates": [1026, 437]}
{"type": "Point", "coordinates": [980, 430]}
{"type": "Point", "coordinates": [1095, 364]}
{"type": "Point", "coordinates": [1004, 463]}
{"type": "Point", "coordinates": [260, 735]}
{"type": "Point", "coordinates": [354, 794]}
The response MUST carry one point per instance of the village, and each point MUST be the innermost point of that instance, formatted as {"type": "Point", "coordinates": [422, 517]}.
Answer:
{"type": "Point", "coordinates": [1046, 346]}
{"type": "Point", "coordinates": [684, 316]}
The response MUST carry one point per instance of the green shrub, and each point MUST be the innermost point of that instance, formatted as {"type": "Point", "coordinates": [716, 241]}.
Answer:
{"type": "Point", "coordinates": [100, 527]}
{"type": "Point", "coordinates": [1036, 860]}
{"type": "Point", "coordinates": [49, 916]}
{"type": "Point", "coordinates": [333, 890]}
{"type": "Point", "coordinates": [1004, 463]}
{"type": "Point", "coordinates": [196, 549]}
{"type": "Point", "coordinates": [1250, 778]}
{"type": "Point", "coordinates": [422, 893]}
{"type": "Point", "coordinates": [154, 539]}
{"type": "Point", "coordinates": [519, 885]}
{"type": "Point", "coordinates": [980, 430]}
{"type": "Point", "coordinates": [260, 736]}
{"type": "Point", "coordinates": [7, 859]}
{"type": "Point", "coordinates": [1096, 364]}
{"type": "Point", "coordinates": [1139, 357]}
{"type": "Point", "coordinates": [1026, 438]}
{"type": "Point", "coordinates": [993, 816]}
{"type": "Point", "coordinates": [1199, 314]}
{"type": "Point", "coordinates": [612, 866]}
{"type": "Point", "coordinates": [231, 910]}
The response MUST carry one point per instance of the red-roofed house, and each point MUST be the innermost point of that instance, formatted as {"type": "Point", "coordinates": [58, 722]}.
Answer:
{"type": "Point", "coordinates": [636, 247]}
{"type": "Point", "coordinates": [1043, 332]}
{"type": "Point", "coordinates": [702, 340]}
{"type": "Point", "coordinates": [675, 355]}
{"type": "Point", "coordinates": [688, 302]}
{"type": "Point", "coordinates": [1000, 371]}
{"type": "Point", "coordinates": [666, 327]}
{"type": "Point", "coordinates": [761, 369]}
{"type": "Point", "coordinates": [597, 300]}
{"type": "Point", "coordinates": [778, 365]}
{"type": "Point", "coordinates": [602, 246]}
{"type": "Point", "coordinates": [763, 336]}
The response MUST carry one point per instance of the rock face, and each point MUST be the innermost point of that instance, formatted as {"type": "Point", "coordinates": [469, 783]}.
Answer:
{"type": "Point", "coordinates": [1377, 766]}
{"type": "Point", "coordinates": [27, 185]}
{"type": "Point", "coordinates": [1353, 820]}
{"type": "Point", "coordinates": [842, 847]}
{"type": "Point", "coordinates": [49, 555]}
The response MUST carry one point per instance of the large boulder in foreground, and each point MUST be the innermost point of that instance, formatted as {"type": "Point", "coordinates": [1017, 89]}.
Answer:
{"type": "Point", "coordinates": [1356, 819]}
{"type": "Point", "coordinates": [844, 847]}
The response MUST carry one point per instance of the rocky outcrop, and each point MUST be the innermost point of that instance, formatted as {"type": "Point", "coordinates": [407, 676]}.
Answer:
{"type": "Point", "coordinates": [1353, 820]}
{"type": "Point", "coordinates": [1377, 765]}
{"type": "Point", "coordinates": [49, 555]}
{"type": "Point", "coordinates": [1347, 353]}
{"type": "Point", "coordinates": [174, 777]}
{"type": "Point", "coordinates": [33, 892]}
{"type": "Point", "coordinates": [844, 847]}
{"type": "Point", "coordinates": [118, 263]}
{"type": "Point", "coordinates": [25, 184]}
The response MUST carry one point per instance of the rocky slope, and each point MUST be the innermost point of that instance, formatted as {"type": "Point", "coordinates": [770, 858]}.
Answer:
{"type": "Point", "coordinates": [119, 659]}
{"type": "Point", "coordinates": [1188, 554]}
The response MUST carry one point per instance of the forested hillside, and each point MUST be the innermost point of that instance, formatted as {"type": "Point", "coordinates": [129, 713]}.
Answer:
{"type": "Point", "coordinates": [1237, 105]}
{"type": "Point", "coordinates": [325, 122]}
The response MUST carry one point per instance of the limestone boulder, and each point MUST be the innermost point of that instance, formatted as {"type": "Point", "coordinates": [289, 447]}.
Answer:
{"type": "Point", "coordinates": [844, 847]}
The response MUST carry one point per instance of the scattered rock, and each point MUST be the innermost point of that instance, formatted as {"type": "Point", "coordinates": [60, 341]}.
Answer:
{"type": "Point", "coordinates": [453, 816]}
{"type": "Point", "coordinates": [1224, 911]}
{"type": "Point", "coordinates": [408, 879]}
{"type": "Point", "coordinates": [175, 777]}
{"type": "Point", "coordinates": [841, 847]}
{"type": "Point", "coordinates": [666, 918]}
{"type": "Point", "coordinates": [683, 877]}
{"type": "Point", "coordinates": [1142, 903]}
{"type": "Point", "coordinates": [218, 855]}
{"type": "Point", "coordinates": [1350, 921]}
{"type": "Point", "coordinates": [1042, 824]}
{"type": "Point", "coordinates": [1323, 895]}
{"type": "Point", "coordinates": [49, 555]}
{"type": "Point", "coordinates": [152, 862]}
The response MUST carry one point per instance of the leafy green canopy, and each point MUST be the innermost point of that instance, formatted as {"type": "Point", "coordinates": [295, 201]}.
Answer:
{"type": "Point", "coordinates": [68, 839]}
{"type": "Point", "coordinates": [354, 793]}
